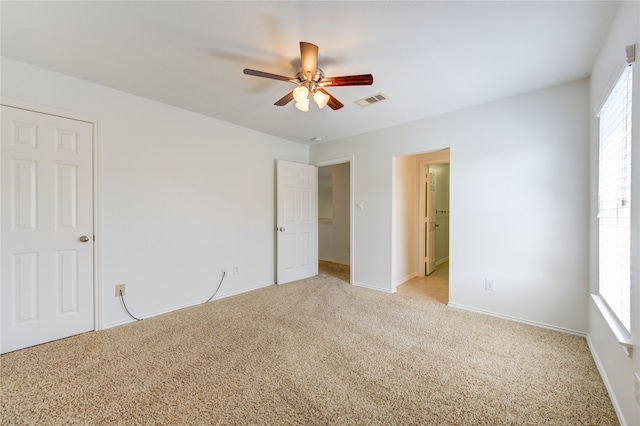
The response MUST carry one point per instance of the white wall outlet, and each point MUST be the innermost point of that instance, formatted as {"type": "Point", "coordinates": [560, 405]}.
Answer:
{"type": "Point", "coordinates": [224, 270]}
{"type": "Point", "coordinates": [236, 270]}
{"type": "Point", "coordinates": [489, 285]}
{"type": "Point", "coordinates": [637, 388]}
{"type": "Point", "coordinates": [119, 290]}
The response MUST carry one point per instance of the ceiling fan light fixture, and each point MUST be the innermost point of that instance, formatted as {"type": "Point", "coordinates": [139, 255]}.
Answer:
{"type": "Point", "coordinates": [303, 106]}
{"type": "Point", "coordinates": [321, 98]}
{"type": "Point", "coordinates": [300, 94]}
{"type": "Point", "coordinates": [310, 79]}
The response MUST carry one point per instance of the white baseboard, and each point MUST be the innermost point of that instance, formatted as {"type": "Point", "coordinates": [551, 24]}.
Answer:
{"type": "Point", "coordinates": [369, 287]}
{"type": "Point", "coordinates": [404, 279]}
{"type": "Point", "coordinates": [178, 307]}
{"type": "Point", "coordinates": [334, 261]}
{"type": "Point", "coordinates": [520, 320]}
{"type": "Point", "coordinates": [607, 384]}
{"type": "Point", "coordinates": [441, 261]}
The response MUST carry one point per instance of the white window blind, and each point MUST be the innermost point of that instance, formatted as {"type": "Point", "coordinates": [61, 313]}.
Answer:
{"type": "Point", "coordinates": [614, 200]}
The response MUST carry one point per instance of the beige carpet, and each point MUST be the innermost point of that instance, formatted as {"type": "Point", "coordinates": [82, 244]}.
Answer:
{"type": "Point", "coordinates": [315, 352]}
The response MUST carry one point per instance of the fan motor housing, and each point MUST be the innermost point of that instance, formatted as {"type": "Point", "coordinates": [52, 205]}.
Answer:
{"type": "Point", "coordinates": [302, 78]}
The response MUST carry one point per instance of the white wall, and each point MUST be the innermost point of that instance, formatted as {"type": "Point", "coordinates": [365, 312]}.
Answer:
{"type": "Point", "coordinates": [325, 219]}
{"type": "Point", "coordinates": [404, 239]}
{"type": "Point", "coordinates": [334, 225]}
{"type": "Point", "coordinates": [341, 213]}
{"type": "Point", "coordinates": [325, 200]}
{"type": "Point", "coordinates": [183, 195]}
{"type": "Point", "coordinates": [616, 367]}
{"type": "Point", "coordinates": [325, 240]}
{"type": "Point", "coordinates": [527, 155]}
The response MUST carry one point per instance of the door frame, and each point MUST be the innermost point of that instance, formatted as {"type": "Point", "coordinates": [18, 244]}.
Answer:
{"type": "Point", "coordinates": [351, 161]}
{"type": "Point", "coordinates": [96, 187]}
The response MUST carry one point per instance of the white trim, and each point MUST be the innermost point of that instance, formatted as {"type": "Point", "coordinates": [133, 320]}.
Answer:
{"type": "Point", "coordinates": [403, 280]}
{"type": "Point", "coordinates": [97, 190]}
{"type": "Point", "coordinates": [520, 320]}
{"type": "Point", "coordinates": [441, 261]}
{"type": "Point", "coordinates": [615, 76]}
{"type": "Point", "coordinates": [621, 335]}
{"type": "Point", "coordinates": [423, 166]}
{"type": "Point", "coordinates": [333, 261]}
{"type": "Point", "coordinates": [352, 248]}
{"type": "Point", "coordinates": [153, 314]}
{"type": "Point", "coordinates": [605, 380]}
{"type": "Point", "coordinates": [16, 103]}
{"type": "Point", "coordinates": [369, 287]}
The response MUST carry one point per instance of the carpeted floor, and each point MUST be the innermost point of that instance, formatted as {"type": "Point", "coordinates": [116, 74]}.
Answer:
{"type": "Point", "coordinates": [313, 352]}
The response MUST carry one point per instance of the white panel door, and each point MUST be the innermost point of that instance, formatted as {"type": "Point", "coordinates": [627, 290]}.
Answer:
{"type": "Point", "coordinates": [47, 228]}
{"type": "Point", "coordinates": [296, 221]}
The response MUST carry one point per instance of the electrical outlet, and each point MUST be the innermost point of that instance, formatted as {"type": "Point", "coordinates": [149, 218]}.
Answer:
{"type": "Point", "coordinates": [224, 270]}
{"type": "Point", "coordinates": [637, 387]}
{"type": "Point", "coordinates": [489, 285]}
{"type": "Point", "coordinates": [119, 288]}
{"type": "Point", "coordinates": [236, 270]}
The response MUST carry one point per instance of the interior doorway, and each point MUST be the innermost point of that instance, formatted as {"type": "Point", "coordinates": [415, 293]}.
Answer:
{"type": "Point", "coordinates": [335, 219]}
{"type": "Point", "coordinates": [420, 218]}
{"type": "Point", "coordinates": [433, 287]}
{"type": "Point", "coordinates": [434, 213]}
{"type": "Point", "coordinates": [48, 221]}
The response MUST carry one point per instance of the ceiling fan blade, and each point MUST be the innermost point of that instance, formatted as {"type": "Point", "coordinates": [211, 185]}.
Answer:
{"type": "Point", "coordinates": [285, 99]}
{"type": "Point", "coordinates": [348, 80]}
{"type": "Point", "coordinates": [268, 75]}
{"type": "Point", "coordinates": [309, 57]}
{"type": "Point", "coordinates": [333, 103]}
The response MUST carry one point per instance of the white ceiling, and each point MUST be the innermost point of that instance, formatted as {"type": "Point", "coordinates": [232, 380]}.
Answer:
{"type": "Point", "coordinates": [428, 57]}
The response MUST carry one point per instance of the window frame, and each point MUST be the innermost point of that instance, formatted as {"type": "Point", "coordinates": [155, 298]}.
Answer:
{"type": "Point", "coordinates": [620, 330]}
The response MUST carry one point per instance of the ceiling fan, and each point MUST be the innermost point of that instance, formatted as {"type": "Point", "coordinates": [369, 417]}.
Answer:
{"type": "Point", "coordinates": [311, 81]}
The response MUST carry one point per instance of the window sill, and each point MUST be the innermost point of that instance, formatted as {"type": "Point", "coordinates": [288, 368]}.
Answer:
{"type": "Point", "coordinates": [622, 336]}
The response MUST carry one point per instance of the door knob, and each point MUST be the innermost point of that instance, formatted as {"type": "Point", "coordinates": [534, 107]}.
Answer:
{"type": "Point", "coordinates": [281, 229]}
{"type": "Point", "coordinates": [84, 239]}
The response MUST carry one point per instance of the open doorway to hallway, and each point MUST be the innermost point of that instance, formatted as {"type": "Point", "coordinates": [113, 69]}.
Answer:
{"type": "Point", "coordinates": [434, 286]}
{"type": "Point", "coordinates": [334, 220]}
{"type": "Point", "coordinates": [420, 215]}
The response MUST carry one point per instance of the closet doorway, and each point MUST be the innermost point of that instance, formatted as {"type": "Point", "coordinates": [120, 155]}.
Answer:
{"type": "Point", "coordinates": [335, 218]}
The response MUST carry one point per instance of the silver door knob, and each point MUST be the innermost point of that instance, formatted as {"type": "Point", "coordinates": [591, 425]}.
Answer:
{"type": "Point", "coordinates": [281, 229]}
{"type": "Point", "coordinates": [84, 239]}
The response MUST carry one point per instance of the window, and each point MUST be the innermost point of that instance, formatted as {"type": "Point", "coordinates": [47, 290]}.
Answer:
{"type": "Point", "coordinates": [614, 200]}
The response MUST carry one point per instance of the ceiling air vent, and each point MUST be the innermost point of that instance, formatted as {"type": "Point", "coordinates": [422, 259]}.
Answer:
{"type": "Point", "coordinates": [373, 99]}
